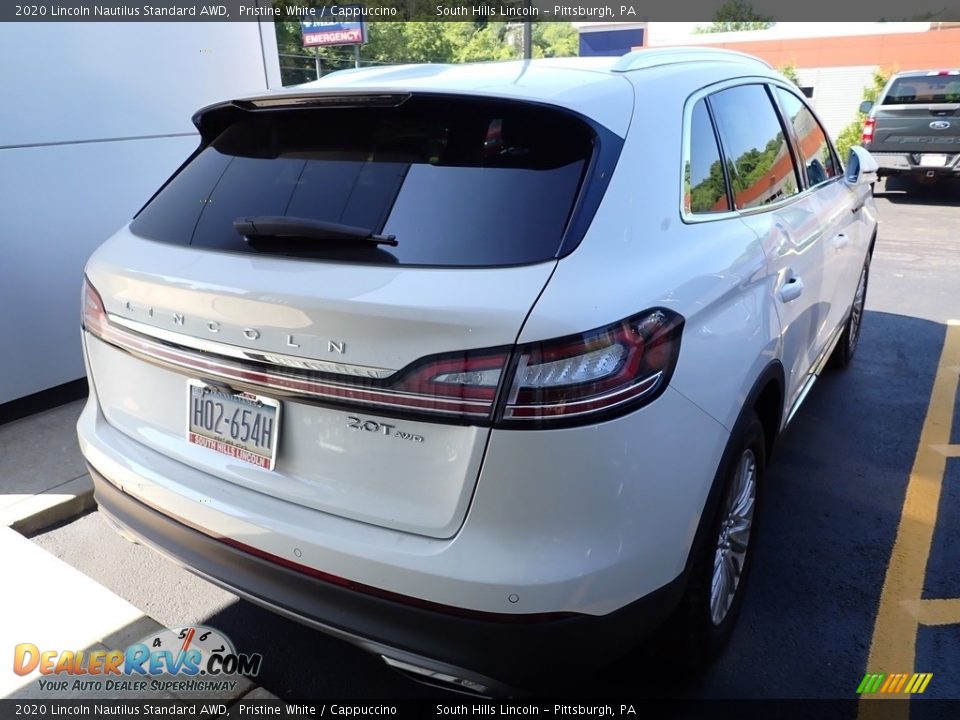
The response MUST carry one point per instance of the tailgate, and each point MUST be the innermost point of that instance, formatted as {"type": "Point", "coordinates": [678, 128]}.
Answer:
{"type": "Point", "coordinates": [371, 464]}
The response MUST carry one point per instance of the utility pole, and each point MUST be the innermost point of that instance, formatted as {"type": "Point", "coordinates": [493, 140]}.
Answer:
{"type": "Point", "coordinates": [527, 32]}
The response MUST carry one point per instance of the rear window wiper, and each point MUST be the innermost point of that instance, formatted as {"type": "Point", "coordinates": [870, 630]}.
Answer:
{"type": "Point", "coordinates": [261, 229]}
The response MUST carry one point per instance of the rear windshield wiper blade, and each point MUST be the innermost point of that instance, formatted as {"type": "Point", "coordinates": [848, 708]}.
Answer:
{"type": "Point", "coordinates": [257, 230]}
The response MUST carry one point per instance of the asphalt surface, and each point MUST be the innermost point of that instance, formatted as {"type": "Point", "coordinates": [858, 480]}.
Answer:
{"type": "Point", "coordinates": [829, 518]}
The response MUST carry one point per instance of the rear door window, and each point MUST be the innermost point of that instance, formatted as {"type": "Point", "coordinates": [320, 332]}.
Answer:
{"type": "Point", "coordinates": [757, 154]}
{"type": "Point", "coordinates": [705, 183]}
{"type": "Point", "coordinates": [458, 181]}
{"type": "Point", "coordinates": [819, 161]}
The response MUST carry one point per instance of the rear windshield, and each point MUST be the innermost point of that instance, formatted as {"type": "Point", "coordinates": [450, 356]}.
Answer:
{"type": "Point", "coordinates": [458, 182]}
{"type": "Point", "coordinates": [924, 90]}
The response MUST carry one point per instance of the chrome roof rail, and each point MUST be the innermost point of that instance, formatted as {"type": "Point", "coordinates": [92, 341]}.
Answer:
{"type": "Point", "coordinates": [655, 57]}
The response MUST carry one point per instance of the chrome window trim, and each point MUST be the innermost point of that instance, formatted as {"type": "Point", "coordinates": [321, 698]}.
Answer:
{"type": "Point", "coordinates": [689, 218]}
{"type": "Point", "coordinates": [786, 87]}
{"type": "Point", "coordinates": [281, 360]}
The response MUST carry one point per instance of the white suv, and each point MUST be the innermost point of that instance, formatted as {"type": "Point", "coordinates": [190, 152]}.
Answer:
{"type": "Point", "coordinates": [478, 366]}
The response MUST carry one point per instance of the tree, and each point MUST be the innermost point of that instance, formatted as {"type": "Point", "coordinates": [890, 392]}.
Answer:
{"type": "Point", "coordinates": [790, 73]}
{"type": "Point", "coordinates": [736, 15]}
{"type": "Point", "coordinates": [555, 39]}
{"type": "Point", "coordinates": [850, 135]}
{"type": "Point", "coordinates": [390, 43]}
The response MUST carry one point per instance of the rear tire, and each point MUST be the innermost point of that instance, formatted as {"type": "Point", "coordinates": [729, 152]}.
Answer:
{"type": "Point", "coordinates": [847, 346]}
{"type": "Point", "coordinates": [721, 566]}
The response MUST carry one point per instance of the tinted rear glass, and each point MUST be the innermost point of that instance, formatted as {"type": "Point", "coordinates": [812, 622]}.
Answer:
{"type": "Point", "coordinates": [459, 182]}
{"type": "Point", "coordinates": [924, 90]}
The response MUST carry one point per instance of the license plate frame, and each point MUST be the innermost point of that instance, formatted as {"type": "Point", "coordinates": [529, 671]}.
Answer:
{"type": "Point", "coordinates": [933, 160]}
{"type": "Point", "coordinates": [219, 439]}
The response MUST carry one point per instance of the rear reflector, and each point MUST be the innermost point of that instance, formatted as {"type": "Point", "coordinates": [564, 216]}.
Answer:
{"type": "Point", "coordinates": [867, 134]}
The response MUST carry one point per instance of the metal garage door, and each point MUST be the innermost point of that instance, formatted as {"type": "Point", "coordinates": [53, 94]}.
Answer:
{"type": "Point", "coordinates": [837, 92]}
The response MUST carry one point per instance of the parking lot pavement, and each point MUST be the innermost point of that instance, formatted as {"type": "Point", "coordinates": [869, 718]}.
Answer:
{"type": "Point", "coordinates": [43, 478]}
{"type": "Point", "coordinates": [838, 542]}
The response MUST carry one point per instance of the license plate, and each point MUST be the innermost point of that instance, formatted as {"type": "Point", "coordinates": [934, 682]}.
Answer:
{"type": "Point", "coordinates": [928, 160]}
{"type": "Point", "coordinates": [237, 424]}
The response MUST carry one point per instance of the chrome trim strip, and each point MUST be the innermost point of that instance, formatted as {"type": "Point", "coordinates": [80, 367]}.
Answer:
{"type": "Point", "coordinates": [284, 383]}
{"type": "Point", "coordinates": [819, 364]}
{"type": "Point", "coordinates": [632, 392]}
{"type": "Point", "coordinates": [234, 351]}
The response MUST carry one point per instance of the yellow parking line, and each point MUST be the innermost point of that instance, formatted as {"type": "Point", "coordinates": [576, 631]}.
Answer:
{"type": "Point", "coordinates": [893, 647]}
{"type": "Point", "coordinates": [934, 612]}
{"type": "Point", "coordinates": [947, 450]}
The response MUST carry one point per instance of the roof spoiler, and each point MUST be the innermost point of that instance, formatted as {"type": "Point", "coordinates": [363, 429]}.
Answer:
{"type": "Point", "coordinates": [214, 119]}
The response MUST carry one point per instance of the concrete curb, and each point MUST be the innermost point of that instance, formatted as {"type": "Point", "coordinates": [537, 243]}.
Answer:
{"type": "Point", "coordinates": [50, 507]}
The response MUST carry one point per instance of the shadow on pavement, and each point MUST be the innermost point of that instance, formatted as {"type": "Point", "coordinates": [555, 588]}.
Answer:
{"type": "Point", "coordinates": [908, 191]}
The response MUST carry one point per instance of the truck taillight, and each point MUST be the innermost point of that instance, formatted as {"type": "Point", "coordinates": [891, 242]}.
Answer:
{"type": "Point", "coordinates": [867, 135]}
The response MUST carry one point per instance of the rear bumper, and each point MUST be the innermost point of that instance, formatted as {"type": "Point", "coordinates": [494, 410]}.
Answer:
{"type": "Point", "coordinates": [911, 163]}
{"type": "Point", "coordinates": [489, 653]}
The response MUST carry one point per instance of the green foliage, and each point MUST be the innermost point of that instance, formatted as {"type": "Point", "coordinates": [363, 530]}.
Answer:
{"type": "Point", "coordinates": [555, 39]}
{"type": "Point", "coordinates": [391, 43]}
{"type": "Point", "coordinates": [850, 135]}
{"type": "Point", "coordinates": [790, 73]}
{"type": "Point", "coordinates": [736, 15]}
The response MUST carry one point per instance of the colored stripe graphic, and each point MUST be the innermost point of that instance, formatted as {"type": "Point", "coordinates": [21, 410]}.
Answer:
{"type": "Point", "coordinates": [910, 684]}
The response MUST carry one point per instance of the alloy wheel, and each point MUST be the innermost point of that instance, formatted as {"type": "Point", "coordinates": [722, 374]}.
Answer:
{"type": "Point", "coordinates": [734, 537]}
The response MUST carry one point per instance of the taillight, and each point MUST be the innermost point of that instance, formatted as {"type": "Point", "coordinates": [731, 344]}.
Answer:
{"type": "Point", "coordinates": [94, 317]}
{"type": "Point", "coordinates": [466, 383]}
{"type": "Point", "coordinates": [584, 377]}
{"type": "Point", "coordinates": [867, 135]}
{"type": "Point", "coordinates": [576, 379]}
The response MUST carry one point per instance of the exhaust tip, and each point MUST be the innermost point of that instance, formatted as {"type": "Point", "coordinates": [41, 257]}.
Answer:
{"type": "Point", "coordinates": [438, 678]}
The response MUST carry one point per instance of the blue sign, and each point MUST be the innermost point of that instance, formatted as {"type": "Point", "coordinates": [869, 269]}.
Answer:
{"type": "Point", "coordinates": [342, 25]}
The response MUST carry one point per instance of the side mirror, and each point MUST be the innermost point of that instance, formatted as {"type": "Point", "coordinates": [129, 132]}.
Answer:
{"type": "Point", "coordinates": [861, 167]}
{"type": "Point", "coordinates": [866, 106]}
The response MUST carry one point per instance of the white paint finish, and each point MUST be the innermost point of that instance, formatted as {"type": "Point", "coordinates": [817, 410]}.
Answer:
{"type": "Point", "coordinates": [641, 254]}
{"type": "Point", "coordinates": [564, 537]}
{"type": "Point", "coordinates": [68, 183]}
{"type": "Point", "coordinates": [418, 487]}
{"type": "Point", "coordinates": [386, 316]}
{"type": "Point", "coordinates": [837, 92]}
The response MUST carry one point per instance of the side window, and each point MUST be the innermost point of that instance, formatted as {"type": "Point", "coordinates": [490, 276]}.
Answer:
{"type": "Point", "coordinates": [756, 152]}
{"type": "Point", "coordinates": [705, 188]}
{"type": "Point", "coordinates": [814, 148]}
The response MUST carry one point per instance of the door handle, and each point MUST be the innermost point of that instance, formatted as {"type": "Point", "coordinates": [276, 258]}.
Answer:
{"type": "Point", "coordinates": [791, 289]}
{"type": "Point", "coordinates": [840, 241]}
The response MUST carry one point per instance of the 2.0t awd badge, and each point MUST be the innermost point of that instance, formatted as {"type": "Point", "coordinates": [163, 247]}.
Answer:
{"type": "Point", "coordinates": [382, 428]}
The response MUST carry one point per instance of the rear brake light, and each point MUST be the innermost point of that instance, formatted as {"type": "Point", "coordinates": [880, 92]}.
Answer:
{"type": "Point", "coordinates": [577, 379]}
{"type": "Point", "coordinates": [94, 317]}
{"type": "Point", "coordinates": [586, 376]}
{"type": "Point", "coordinates": [867, 135]}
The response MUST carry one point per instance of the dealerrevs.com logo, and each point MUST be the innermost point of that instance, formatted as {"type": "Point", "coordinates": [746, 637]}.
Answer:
{"type": "Point", "coordinates": [193, 658]}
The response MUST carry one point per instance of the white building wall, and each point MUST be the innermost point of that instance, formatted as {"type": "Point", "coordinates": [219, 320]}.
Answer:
{"type": "Point", "coordinates": [837, 92]}
{"type": "Point", "coordinates": [94, 117]}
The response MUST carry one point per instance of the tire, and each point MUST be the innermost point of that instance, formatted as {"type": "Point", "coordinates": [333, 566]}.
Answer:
{"type": "Point", "coordinates": [850, 338]}
{"type": "Point", "coordinates": [706, 616]}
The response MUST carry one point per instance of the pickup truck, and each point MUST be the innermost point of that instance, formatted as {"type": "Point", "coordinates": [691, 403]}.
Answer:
{"type": "Point", "coordinates": [914, 126]}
